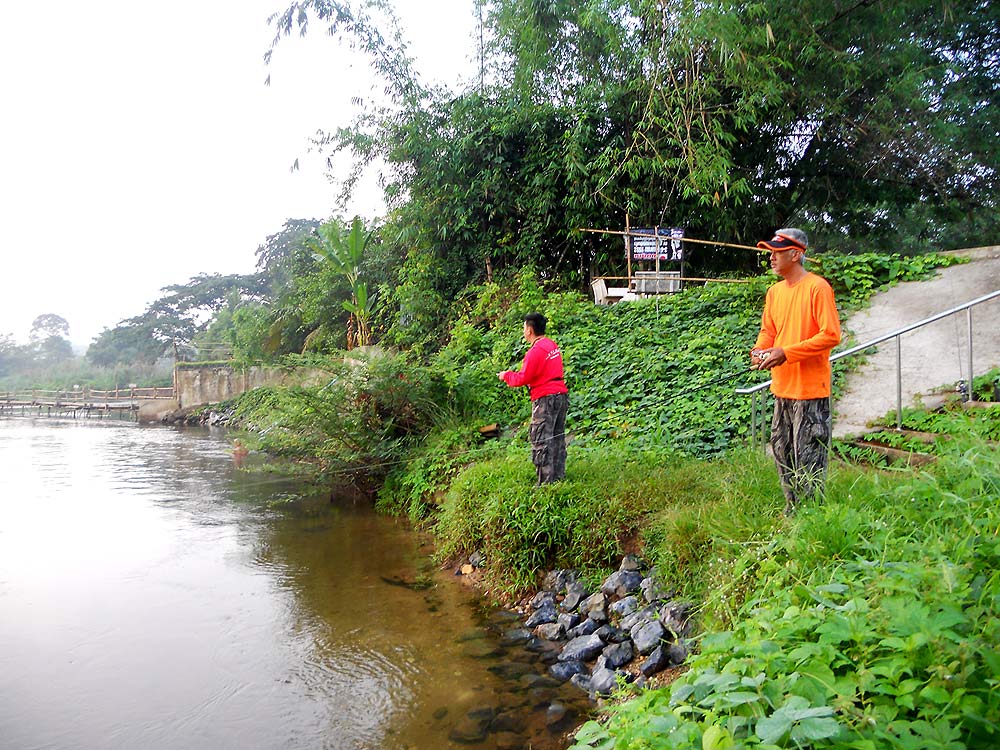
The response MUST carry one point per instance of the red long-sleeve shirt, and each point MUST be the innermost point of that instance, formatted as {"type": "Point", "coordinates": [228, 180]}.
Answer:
{"type": "Point", "coordinates": [541, 370]}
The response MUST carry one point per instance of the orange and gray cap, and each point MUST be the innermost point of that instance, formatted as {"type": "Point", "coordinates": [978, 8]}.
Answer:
{"type": "Point", "coordinates": [788, 238]}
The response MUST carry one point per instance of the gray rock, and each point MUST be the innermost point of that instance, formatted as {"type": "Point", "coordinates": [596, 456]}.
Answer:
{"type": "Point", "coordinates": [471, 728]}
{"type": "Point", "coordinates": [657, 661]}
{"type": "Point", "coordinates": [603, 681]}
{"type": "Point", "coordinates": [511, 700]}
{"type": "Point", "coordinates": [594, 607]}
{"type": "Point", "coordinates": [653, 590]}
{"type": "Point", "coordinates": [513, 670]}
{"type": "Point", "coordinates": [672, 626]}
{"type": "Point", "coordinates": [611, 634]}
{"type": "Point", "coordinates": [586, 627]}
{"type": "Point", "coordinates": [581, 681]}
{"type": "Point", "coordinates": [555, 713]}
{"type": "Point", "coordinates": [624, 607]}
{"type": "Point", "coordinates": [539, 696]}
{"type": "Point", "coordinates": [538, 680]}
{"type": "Point", "coordinates": [544, 614]}
{"type": "Point", "coordinates": [575, 593]}
{"type": "Point", "coordinates": [543, 598]}
{"type": "Point", "coordinates": [647, 636]}
{"type": "Point", "coordinates": [678, 653]}
{"type": "Point", "coordinates": [551, 631]}
{"type": "Point", "coordinates": [551, 656]}
{"type": "Point", "coordinates": [481, 650]}
{"type": "Point", "coordinates": [564, 670]}
{"type": "Point", "coordinates": [568, 620]}
{"type": "Point", "coordinates": [508, 721]}
{"type": "Point", "coordinates": [621, 584]}
{"type": "Point", "coordinates": [558, 580]}
{"type": "Point", "coordinates": [632, 562]}
{"type": "Point", "coordinates": [643, 615]}
{"type": "Point", "coordinates": [618, 654]}
{"type": "Point", "coordinates": [476, 559]}
{"type": "Point", "coordinates": [515, 637]}
{"type": "Point", "coordinates": [680, 611]}
{"type": "Point", "coordinates": [584, 648]}
{"type": "Point", "coordinates": [674, 616]}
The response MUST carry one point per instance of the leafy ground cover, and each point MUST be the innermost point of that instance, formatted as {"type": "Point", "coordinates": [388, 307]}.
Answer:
{"type": "Point", "coordinates": [871, 622]}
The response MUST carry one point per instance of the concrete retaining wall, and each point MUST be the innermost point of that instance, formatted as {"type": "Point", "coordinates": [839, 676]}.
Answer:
{"type": "Point", "coordinates": [211, 384]}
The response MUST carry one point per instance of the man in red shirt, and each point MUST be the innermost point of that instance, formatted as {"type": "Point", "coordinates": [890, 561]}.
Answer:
{"type": "Point", "coordinates": [542, 372]}
{"type": "Point", "coordinates": [799, 327]}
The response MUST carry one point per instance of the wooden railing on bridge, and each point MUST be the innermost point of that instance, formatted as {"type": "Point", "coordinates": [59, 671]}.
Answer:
{"type": "Point", "coordinates": [76, 401]}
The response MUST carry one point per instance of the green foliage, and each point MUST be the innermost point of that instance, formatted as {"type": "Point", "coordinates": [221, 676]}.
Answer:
{"type": "Point", "coordinates": [343, 250]}
{"type": "Point", "coordinates": [493, 507]}
{"type": "Point", "coordinates": [856, 277]}
{"type": "Point", "coordinates": [872, 624]}
{"type": "Point", "coordinates": [356, 427]}
{"type": "Point", "coordinates": [983, 423]}
{"type": "Point", "coordinates": [986, 387]}
{"type": "Point", "coordinates": [657, 373]}
{"type": "Point", "coordinates": [412, 487]}
{"type": "Point", "coordinates": [867, 125]}
{"type": "Point", "coordinates": [78, 371]}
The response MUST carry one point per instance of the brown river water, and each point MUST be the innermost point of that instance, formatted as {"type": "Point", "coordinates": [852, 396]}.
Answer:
{"type": "Point", "coordinates": [153, 595]}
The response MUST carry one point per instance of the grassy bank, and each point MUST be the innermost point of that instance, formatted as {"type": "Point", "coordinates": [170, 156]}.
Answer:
{"type": "Point", "coordinates": [867, 621]}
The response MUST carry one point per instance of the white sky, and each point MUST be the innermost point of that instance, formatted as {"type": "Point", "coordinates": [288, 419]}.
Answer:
{"type": "Point", "coordinates": [140, 147]}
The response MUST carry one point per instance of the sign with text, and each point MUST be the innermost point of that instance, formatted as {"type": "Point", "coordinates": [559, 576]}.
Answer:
{"type": "Point", "coordinates": [665, 240]}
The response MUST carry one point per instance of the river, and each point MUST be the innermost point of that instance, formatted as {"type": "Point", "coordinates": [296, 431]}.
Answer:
{"type": "Point", "coordinates": [154, 595]}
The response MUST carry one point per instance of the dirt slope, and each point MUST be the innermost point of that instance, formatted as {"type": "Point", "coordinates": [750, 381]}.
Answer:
{"type": "Point", "coordinates": [933, 356]}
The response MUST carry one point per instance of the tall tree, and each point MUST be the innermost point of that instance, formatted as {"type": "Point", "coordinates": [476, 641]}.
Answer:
{"type": "Point", "coordinates": [47, 325]}
{"type": "Point", "coordinates": [867, 122]}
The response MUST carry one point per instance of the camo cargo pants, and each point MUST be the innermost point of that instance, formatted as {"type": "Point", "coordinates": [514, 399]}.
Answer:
{"type": "Point", "coordinates": [547, 433]}
{"type": "Point", "coordinates": [800, 440]}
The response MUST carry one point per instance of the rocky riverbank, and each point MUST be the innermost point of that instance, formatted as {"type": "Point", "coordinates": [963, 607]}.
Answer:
{"type": "Point", "coordinates": [627, 631]}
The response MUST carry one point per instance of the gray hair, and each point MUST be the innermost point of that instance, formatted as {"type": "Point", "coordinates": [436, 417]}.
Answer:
{"type": "Point", "coordinates": [795, 234]}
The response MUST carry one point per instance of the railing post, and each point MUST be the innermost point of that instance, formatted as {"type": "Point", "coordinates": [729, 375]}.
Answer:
{"type": "Point", "coordinates": [899, 382]}
{"type": "Point", "coordinates": [968, 390]}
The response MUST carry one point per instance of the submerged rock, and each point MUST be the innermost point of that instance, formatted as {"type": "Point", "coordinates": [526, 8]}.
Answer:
{"type": "Point", "coordinates": [564, 670]}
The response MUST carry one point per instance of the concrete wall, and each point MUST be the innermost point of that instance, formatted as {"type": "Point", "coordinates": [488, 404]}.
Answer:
{"type": "Point", "coordinates": [211, 384]}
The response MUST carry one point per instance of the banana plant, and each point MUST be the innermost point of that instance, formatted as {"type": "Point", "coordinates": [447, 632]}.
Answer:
{"type": "Point", "coordinates": [343, 250]}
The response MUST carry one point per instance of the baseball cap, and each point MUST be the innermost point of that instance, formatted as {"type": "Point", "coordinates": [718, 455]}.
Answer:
{"type": "Point", "coordinates": [782, 241]}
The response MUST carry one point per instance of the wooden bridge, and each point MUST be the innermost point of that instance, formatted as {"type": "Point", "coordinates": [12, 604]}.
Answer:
{"type": "Point", "coordinates": [120, 402]}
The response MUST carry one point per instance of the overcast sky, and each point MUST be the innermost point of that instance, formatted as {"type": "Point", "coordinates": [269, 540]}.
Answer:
{"type": "Point", "coordinates": [140, 147]}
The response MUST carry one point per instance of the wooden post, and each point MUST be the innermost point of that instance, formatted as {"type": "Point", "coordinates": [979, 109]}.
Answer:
{"type": "Point", "coordinates": [628, 252]}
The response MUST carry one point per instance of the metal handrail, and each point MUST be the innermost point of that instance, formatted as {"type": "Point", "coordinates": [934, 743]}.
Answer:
{"type": "Point", "coordinates": [752, 391]}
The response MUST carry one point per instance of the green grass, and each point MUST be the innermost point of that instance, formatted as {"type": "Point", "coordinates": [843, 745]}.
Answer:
{"type": "Point", "coordinates": [867, 621]}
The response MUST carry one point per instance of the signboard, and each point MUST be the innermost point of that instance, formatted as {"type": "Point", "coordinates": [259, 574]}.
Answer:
{"type": "Point", "coordinates": [644, 247]}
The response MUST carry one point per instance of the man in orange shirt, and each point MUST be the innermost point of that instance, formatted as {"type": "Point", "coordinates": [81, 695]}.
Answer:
{"type": "Point", "coordinates": [799, 327]}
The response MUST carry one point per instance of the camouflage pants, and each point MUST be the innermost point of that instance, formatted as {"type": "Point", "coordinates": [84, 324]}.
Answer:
{"type": "Point", "coordinates": [800, 440]}
{"type": "Point", "coordinates": [547, 433]}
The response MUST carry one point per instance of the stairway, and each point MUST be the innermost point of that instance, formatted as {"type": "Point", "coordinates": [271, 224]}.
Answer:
{"type": "Point", "coordinates": [927, 431]}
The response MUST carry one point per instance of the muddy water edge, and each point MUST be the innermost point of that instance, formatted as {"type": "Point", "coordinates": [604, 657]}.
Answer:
{"type": "Point", "coordinates": [153, 594]}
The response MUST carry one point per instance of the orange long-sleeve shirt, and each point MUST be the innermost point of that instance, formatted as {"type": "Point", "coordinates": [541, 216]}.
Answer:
{"type": "Point", "coordinates": [802, 319]}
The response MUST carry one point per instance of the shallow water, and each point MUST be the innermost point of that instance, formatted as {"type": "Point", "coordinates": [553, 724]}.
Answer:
{"type": "Point", "coordinates": [154, 595]}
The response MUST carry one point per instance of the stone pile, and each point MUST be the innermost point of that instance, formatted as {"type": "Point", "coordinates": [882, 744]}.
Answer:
{"type": "Point", "coordinates": [630, 629]}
